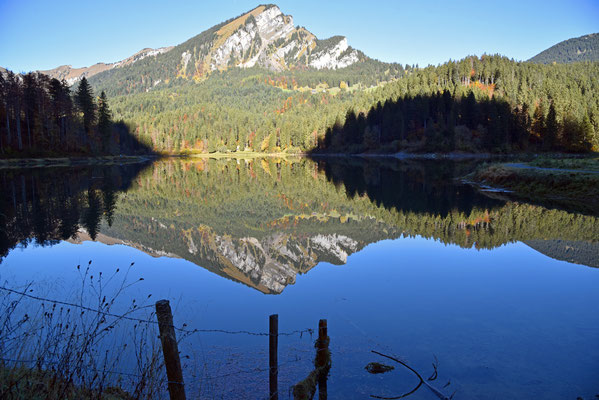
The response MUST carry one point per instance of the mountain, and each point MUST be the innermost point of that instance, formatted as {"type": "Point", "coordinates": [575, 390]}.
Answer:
{"type": "Point", "coordinates": [572, 251]}
{"type": "Point", "coordinates": [263, 37]}
{"type": "Point", "coordinates": [72, 75]}
{"type": "Point", "coordinates": [584, 48]}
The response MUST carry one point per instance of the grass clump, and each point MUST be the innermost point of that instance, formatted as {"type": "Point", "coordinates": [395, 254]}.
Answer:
{"type": "Point", "coordinates": [590, 164]}
{"type": "Point", "coordinates": [85, 348]}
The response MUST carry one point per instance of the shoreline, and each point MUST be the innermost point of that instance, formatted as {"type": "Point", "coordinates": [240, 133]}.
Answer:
{"type": "Point", "coordinates": [40, 162]}
{"type": "Point", "coordinates": [570, 188]}
{"type": "Point", "coordinates": [37, 162]}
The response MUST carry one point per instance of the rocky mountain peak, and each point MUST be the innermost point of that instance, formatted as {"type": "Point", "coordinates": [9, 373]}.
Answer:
{"type": "Point", "coordinates": [264, 37]}
{"type": "Point", "coordinates": [267, 37]}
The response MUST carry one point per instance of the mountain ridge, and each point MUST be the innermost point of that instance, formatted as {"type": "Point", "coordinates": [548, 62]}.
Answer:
{"type": "Point", "coordinates": [583, 48]}
{"type": "Point", "coordinates": [72, 75]}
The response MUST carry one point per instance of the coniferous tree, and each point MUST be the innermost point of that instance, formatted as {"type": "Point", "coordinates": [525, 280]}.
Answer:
{"type": "Point", "coordinates": [4, 105]}
{"type": "Point", "coordinates": [589, 138]}
{"type": "Point", "coordinates": [62, 110]}
{"type": "Point", "coordinates": [17, 100]}
{"type": "Point", "coordinates": [84, 98]}
{"type": "Point", "coordinates": [29, 100]}
{"type": "Point", "coordinates": [469, 111]}
{"type": "Point", "coordinates": [550, 130]}
{"type": "Point", "coordinates": [104, 122]}
{"type": "Point", "coordinates": [538, 121]}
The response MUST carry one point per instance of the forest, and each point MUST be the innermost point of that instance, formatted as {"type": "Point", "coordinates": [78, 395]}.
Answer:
{"type": "Point", "coordinates": [488, 103]}
{"type": "Point", "coordinates": [477, 104]}
{"type": "Point", "coordinates": [40, 116]}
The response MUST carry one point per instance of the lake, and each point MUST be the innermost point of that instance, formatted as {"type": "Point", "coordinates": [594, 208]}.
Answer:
{"type": "Point", "coordinates": [399, 256]}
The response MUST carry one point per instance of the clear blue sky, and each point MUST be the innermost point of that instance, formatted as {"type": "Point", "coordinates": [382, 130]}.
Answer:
{"type": "Point", "coordinates": [46, 34]}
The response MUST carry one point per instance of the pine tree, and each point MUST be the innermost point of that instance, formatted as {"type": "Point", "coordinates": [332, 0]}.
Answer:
{"type": "Point", "coordinates": [550, 129]}
{"type": "Point", "coordinates": [469, 111]}
{"type": "Point", "coordinates": [29, 100]}
{"type": "Point", "coordinates": [587, 133]}
{"type": "Point", "coordinates": [538, 121]}
{"type": "Point", "coordinates": [104, 122]}
{"type": "Point", "coordinates": [4, 91]}
{"type": "Point", "coordinates": [84, 98]}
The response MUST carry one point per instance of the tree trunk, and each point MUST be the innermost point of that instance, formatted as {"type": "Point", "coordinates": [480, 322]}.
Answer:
{"type": "Point", "coordinates": [28, 128]}
{"type": "Point", "coordinates": [18, 117]}
{"type": "Point", "coordinates": [7, 124]}
{"type": "Point", "coordinates": [43, 120]}
{"type": "Point", "coordinates": [63, 132]}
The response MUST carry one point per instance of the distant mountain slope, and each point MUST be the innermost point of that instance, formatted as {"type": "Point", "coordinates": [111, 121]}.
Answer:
{"type": "Point", "coordinates": [584, 48]}
{"type": "Point", "coordinates": [72, 75]}
{"type": "Point", "coordinates": [572, 251]}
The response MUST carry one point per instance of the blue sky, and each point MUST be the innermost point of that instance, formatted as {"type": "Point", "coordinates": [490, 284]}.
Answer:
{"type": "Point", "coordinates": [45, 34]}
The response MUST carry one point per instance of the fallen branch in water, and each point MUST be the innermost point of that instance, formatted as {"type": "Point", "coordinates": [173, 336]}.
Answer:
{"type": "Point", "coordinates": [422, 381]}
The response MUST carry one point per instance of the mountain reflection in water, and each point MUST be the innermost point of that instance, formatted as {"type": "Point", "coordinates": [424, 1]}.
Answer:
{"type": "Point", "coordinates": [263, 221]}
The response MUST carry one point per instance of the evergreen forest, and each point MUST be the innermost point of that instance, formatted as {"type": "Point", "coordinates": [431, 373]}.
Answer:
{"type": "Point", "coordinates": [42, 116]}
{"type": "Point", "coordinates": [486, 104]}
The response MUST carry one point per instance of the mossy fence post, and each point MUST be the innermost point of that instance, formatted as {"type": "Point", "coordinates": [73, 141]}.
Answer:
{"type": "Point", "coordinates": [273, 356]}
{"type": "Point", "coordinates": [170, 350]}
{"type": "Point", "coordinates": [306, 389]}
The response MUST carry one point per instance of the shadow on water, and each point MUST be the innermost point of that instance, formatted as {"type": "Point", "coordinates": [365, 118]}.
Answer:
{"type": "Point", "coordinates": [424, 186]}
{"type": "Point", "coordinates": [427, 198]}
{"type": "Point", "coordinates": [50, 205]}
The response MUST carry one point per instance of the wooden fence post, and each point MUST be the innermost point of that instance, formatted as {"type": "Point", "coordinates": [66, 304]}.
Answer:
{"type": "Point", "coordinates": [306, 389]}
{"type": "Point", "coordinates": [170, 350]}
{"type": "Point", "coordinates": [273, 356]}
{"type": "Point", "coordinates": [322, 358]}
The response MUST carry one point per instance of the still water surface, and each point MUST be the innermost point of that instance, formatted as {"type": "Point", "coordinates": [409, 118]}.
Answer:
{"type": "Point", "coordinates": [399, 257]}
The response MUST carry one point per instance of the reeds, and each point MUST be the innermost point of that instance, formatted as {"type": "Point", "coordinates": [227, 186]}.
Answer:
{"type": "Point", "coordinates": [80, 348]}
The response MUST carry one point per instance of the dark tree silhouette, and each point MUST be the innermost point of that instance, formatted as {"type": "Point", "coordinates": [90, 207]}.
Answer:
{"type": "Point", "coordinates": [84, 98]}
{"type": "Point", "coordinates": [550, 129]}
{"type": "Point", "coordinates": [440, 122]}
{"type": "Point", "coordinates": [104, 122]}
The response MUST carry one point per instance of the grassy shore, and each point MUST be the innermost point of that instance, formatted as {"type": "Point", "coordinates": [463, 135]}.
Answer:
{"type": "Point", "coordinates": [569, 183]}
{"type": "Point", "coordinates": [21, 383]}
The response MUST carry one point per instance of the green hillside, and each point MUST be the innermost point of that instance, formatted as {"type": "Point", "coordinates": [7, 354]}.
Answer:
{"type": "Point", "coordinates": [584, 48]}
{"type": "Point", "coordinates": [489, 103]}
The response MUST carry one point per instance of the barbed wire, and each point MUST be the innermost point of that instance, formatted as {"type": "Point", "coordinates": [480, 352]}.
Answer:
{"type": "Point", "coordinates": [253, 370]}
{"type": "Point", "coordinates": [299, 332]}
